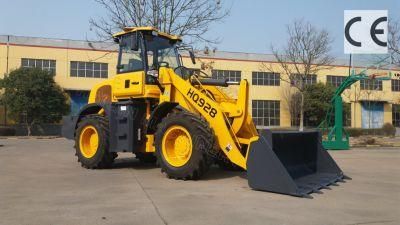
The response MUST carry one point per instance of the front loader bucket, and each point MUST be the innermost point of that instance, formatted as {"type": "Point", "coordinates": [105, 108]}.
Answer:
{"type": "Point", "coordinates": [292, 163]}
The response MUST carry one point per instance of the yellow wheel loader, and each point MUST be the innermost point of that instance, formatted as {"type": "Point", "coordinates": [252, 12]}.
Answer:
{"type": "Point", "coordinates": [162, 111]}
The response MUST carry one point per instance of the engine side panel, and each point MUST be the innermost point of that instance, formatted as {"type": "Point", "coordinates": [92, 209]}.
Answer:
{"type": "Point", "coordinates": [127, 126]}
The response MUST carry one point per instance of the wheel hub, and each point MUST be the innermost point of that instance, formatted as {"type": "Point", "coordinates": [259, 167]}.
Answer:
{"type": "Point", "coordinates": [177, 146]}
{"type": "Point", "coordinates": [89, 141]}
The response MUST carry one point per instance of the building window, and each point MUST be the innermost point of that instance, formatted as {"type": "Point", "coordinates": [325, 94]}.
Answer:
{"type": "Point", "coordinates": [335, 81]}
{"type": "Point", "coordinates": [308, 80]}
{"type": "Point", "coordinates": [396, 115]}
{"type": "Point", "coordinates": [263, 78]}
{"type": "Point", "coordinates": [231, 75]}
{"type": "Point", "coordinates": [43, 64]}
{"type": "Point", "coordinates": [346, 114]}
{"type": "Point", "coordinates": [395, 85]}
{"type": "Point", "coordinates": [266, 113]}
{"type": "Point", "coordinates": [371, 85]}
{"type": "Point", "coordinates": [89, 69]}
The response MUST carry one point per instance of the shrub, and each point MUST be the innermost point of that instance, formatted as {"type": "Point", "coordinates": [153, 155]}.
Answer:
{"type": "Point", "coordinates": [33, 97]}
{"type": "Point", "coordinates": [388, 129]}
{"type": "Point", "coordinates": [317, 102]}
{"type": "Point", "coordinates": [355, 132]}
{"type": "Point", "coordinates": [370, 141]}
{"type": "Point", "coordinates": [7, 131]}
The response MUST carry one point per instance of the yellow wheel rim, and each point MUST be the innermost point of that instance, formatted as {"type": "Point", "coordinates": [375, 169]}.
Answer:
{"type": "Point", "coordinates": [177, 146]}
{"type": "Point", "coordinates": [89, 141]}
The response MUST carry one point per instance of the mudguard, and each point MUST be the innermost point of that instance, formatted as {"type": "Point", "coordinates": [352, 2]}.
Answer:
{"type": "Point", "coordinates": [68, 126]}
{"type": "Point", "coordinates": [69, 123]}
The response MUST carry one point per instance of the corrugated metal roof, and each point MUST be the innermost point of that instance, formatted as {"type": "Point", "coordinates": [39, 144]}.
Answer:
{"type": "Point", "coordinates": [60, 43]}
{"type": "Point", "coordinates": [111, 46]}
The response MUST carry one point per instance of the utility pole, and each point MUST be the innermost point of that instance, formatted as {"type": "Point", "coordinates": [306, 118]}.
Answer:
{"type": "Point", "coordinates": [350, 64]}
{"type": "Point", "coordinates": [7, 70]}
{"type": "Point", "coordinates": [355, 92]}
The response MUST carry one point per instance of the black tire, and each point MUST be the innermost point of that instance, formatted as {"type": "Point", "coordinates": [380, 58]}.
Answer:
{"type": "Point", "coordinates": [147, 158]}
{"type": "Point", "coordinates": [203, 144]}
{"type": "Point", "coordinates": [102, 158]}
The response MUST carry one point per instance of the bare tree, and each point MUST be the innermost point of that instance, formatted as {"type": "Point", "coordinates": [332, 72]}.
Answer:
{"type": "Point", "coordinates": [290, 96]}
{"type": "Point", "coordinates": [190, 18]}
{"type": "Point", "coordinates": [207, 64]}
{"type": "Point", "coordinates": [394, 42]}
{"type": "Point", "coordinates": [305, 54]}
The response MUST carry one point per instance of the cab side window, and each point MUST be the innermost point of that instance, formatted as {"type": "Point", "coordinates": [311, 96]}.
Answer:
{"type": "Point", "coordinates": [130, 60]}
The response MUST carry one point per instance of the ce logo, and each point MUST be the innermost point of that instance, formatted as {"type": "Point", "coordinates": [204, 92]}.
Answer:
{"type": "Point", "coordinates": [373, 31]}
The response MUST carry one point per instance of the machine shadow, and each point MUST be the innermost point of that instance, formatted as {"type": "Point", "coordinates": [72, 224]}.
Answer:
{"type": "Point", "coordinates": [133, 163]}
{"type": "Point", "coordinates": [215, 173]}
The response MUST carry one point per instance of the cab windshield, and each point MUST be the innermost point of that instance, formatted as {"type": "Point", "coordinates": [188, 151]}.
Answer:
{"type": "Point", "coordinates": [161, 52]}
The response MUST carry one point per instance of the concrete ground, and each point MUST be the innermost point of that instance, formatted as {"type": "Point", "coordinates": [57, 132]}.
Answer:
{"type": "Point", "coordinates": [41, 183]}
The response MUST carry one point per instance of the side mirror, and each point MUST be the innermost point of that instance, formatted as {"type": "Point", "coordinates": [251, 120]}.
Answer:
{"type": "Point", "coordinates": [192, 57]}
{"type": "Point", "coordinates": [135, 42]}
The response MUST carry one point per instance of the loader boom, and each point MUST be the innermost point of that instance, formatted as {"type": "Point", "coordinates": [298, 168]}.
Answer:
{"type": "Point", "coordinates": [211, 111]}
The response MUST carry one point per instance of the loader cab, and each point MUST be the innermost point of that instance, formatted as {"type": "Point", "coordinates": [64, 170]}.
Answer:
{"type": "Point", "coordinates": [148, 50]}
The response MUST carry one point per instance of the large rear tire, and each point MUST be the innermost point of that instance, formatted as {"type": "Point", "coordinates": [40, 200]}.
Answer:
{"type": "Point", "coordinates": [92, 143]}
{"type": "Point", "coordinates": [183, 142]}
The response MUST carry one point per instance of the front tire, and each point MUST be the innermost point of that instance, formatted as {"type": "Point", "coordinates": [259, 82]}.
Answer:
{"type": "Point", "coordinates": [183, 142]}
{"type": "Point", "coordinates": [92, 143]}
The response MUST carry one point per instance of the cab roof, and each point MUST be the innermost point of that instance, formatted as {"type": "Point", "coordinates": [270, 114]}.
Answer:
{"type": "Point", "coordinates": [128, 30]}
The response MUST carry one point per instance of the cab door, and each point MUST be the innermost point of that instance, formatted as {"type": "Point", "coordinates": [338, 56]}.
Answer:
{"type": "Point", "coordinates": [130, 79]}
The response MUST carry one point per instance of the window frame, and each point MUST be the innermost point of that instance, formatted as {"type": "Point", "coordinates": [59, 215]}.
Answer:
{"type": "Point", "coordinates": [395, 87]}
{"type": "Point", "coordinates": [156, 54]}
{"type": "Point", "coordinates": [347, 117]}
{"type": "Point", "coordinates": [311, 78]}
{"type": "Point", "coordinates": [267, 78]}
{"type": "Point", "coordinates": [363, 84]}
{"type": "Point", "coordinates": [267, 112]}
{"type": "Point", "coordinates": [50, 68]}
{"type": "Point", "coordinates": [142, 53]}
{"type": "Point", "coordinates": [335, 84]}
{"type": "Point", "coordinates": [396, 115]}
{"type": "Point", "coordinates": [216, 75]}
{"type": "Point", "coordinates": [81, 66]}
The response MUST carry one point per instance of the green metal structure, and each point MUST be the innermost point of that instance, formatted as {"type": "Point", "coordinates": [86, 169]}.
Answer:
{"type": "Point", "coordinates": [335, 136]}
